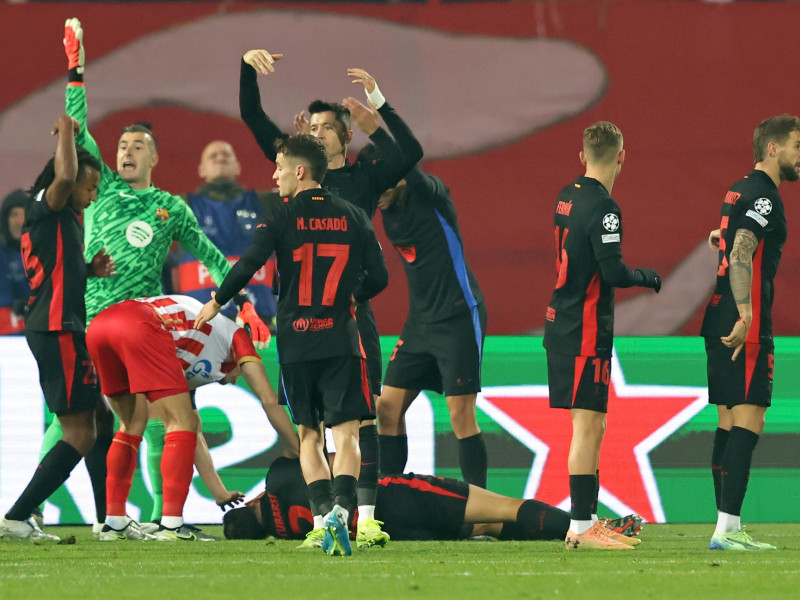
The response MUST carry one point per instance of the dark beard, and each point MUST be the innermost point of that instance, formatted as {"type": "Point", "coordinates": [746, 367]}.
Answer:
{"type": "Point", "coordinates": [789, 173]}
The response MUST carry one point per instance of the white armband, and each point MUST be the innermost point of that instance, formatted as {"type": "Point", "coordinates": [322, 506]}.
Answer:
{"type": "Point", "coordinates": [375, 97]}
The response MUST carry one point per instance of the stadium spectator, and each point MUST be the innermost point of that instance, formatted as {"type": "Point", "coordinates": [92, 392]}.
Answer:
{"type": "Point", "coordinates": [737, 326]}
{"type": "Point", "coordinates": [14, 289]}
{"type": "Point", "coordinates": [328, 260]}
{"type": "Point", "coordinates": [52, 247]}
{"type": "Point", "coordinates": [228, 214]}
{"type": "Point", "coordinates": [579, 322]}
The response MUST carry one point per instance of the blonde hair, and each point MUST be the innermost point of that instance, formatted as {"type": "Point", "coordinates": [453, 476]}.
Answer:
{"type": "Point", "coordinates": [602, 141]}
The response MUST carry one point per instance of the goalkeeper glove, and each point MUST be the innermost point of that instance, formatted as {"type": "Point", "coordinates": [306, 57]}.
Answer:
{"type": "Point", "coordinates": [73, 45]}
{"type": "Point", "coordinates": [253, 325]}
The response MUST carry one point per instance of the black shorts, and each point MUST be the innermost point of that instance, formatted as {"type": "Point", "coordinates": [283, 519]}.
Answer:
{"type": "Point", "coordinates": [66, 372]}
{"type": "Point", "coordinates": [578, 381]}
{"type": "Point", "coordinates": [331, 391]}
{"type": "Point", "coordinates": [747, 380]}
{"type": "Point", "coordinates": [368, 332]}
{"type": "Point", "coordinates": [444, 356]}
{"type": "Point", "coordinates": [421, 507]}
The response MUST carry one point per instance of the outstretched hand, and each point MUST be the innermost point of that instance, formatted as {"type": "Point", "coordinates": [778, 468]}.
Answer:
{"type": "Point", "coordinates": [73, 44]}
{"type": "Point", "coordinates": [209, 311]}
{"type": "Point", "coordinates": [64, 123]}
{"type": "Point", "coordinates": [261, 60]}
{"type": "Point", "coordinates": [102, 265]}
{"type": "Point", "coordinates": [366, 118]}
{"type": "Point", "coordinates": [230, 500]}
{"type": "Point", "coordinates": [364, 78]}
{"type": "Point", "coordinates": [736, 338]}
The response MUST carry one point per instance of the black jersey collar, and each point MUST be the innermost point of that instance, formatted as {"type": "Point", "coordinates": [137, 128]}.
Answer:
{"type": "Point", "coordinates": [758, 173]}
{"type": "Point", "coordinates": [587, 181]}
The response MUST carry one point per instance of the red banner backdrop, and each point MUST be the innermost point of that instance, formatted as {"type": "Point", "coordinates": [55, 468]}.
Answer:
{"type": "Point", "coordinates": [499, 93]}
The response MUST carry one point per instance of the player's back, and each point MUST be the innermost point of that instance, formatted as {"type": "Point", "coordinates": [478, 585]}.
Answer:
{"type": "Point", "coordinates": [323, 246]}
{"type": "Point", "coordinates": [588, 228]}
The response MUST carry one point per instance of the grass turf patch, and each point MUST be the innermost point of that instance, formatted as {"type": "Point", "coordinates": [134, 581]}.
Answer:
{"type": "Point", "coordinates": [671, 562]}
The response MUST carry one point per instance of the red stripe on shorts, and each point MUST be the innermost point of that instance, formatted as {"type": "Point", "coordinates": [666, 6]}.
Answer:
{"type": "Point", "coordinates": [67, 361]}
{"type": "Point", "coordinates": [419, 484]}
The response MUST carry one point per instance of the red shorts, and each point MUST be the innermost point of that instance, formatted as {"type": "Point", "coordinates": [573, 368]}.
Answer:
{"type": "Point", "coordinates": [133, 353]}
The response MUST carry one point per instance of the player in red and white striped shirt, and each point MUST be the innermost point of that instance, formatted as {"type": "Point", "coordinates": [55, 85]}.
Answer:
{"type": "Point", "coordinates": [149, 348]}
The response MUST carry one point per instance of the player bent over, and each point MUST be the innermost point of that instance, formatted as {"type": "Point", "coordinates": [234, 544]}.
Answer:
{"type": "Point", "coordinates": [219, 351]}
{"type": "Point", "coordinates": [329, 260]}
{"type": "Point", "coordinates": [52, 254]}
{"type": "Point", "coordinates": [579, 323]}
{"type": "Point", "coordinates": [738, 322]}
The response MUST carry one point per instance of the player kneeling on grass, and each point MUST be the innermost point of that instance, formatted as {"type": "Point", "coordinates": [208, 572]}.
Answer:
{"type": "Point", "coordinates": [329, 260]}
{"type": "Point", "coordinates": [411, 507]}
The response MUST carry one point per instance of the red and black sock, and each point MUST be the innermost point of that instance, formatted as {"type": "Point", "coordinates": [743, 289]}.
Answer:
{"type": "Point", "coordinates": [393, 453]}
{"type": "Point", "coordinates": [720, 441]}
{"type": "Point", "coordinates": [177, 468]}
{"type": "Point", "coordinates": [537, 521]}
{"type": "Point", "coordinates": [320, 497]}
{"type": "Point", "coordinates": [367, 491]}
{"type": "Point", "coordinates": [736, 469]}
{"type": "Point", "coordinates": [473, 460]}
{"type": "Point", "coordinates": [582, 489]}
{"type": "Point", "coordinates": [50, 474]}
{"type": "Point", "coordinates": [121, 462]}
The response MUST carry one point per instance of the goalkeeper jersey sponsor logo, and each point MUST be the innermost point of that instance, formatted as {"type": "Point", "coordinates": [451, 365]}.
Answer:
{"type": "Point", "coordinates": [139, 234]}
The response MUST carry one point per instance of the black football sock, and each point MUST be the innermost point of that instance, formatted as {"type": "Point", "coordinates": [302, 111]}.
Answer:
{"type": "Point", "coordinates": [581, 491]}
{"type": "Point", "coordinates": [537, 521]}
{"type": "Point", "coordinates": [393, 453]}
{"type": "Point", "coordinates": [736, 469]}
{"type": "Point", "coordinates": [344, 493]}
{"type": "Point", "coordinates": [320, 497]}
{"type": "Point", "coordinates": [367, 491]}
{"type": "Point", "coordinates": [720, 441]}
{"type": "Point", "coordinates": [596, 502]}
{"type": "Point", "coordinates": [97, 468]}
{"type": "Point", "coordinates": [50, 474]}
{"type": "Point", "coordinates": [472, 459]}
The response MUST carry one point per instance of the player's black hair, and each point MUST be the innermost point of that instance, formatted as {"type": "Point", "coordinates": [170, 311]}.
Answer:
{"type": "Point", "coordinates": [242, 524]}
{"type": "Point", "coordinates": [142, 127]}
{"type": "Point", "coordinates": [775, 129]}
{"type": "Point", "coordinates": [369, 154]}
{"type": "Point", "coordinates": [308, 149]}
{"type": "Point", "coordinates": [48, 174]}
{"type": "Point", "coordinates": [341, 115]}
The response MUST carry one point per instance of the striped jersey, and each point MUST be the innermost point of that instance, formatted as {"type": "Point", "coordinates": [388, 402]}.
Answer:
{"type": "Point", "coordinates": [208, 353]}
{"type": "Point", "coordinates": [753, 203]}
{"type": "Point", "coordinates": [53, 261]}
{"type": "Point", "coordinates": [588, 228]}
{"type": "Point", "coordinates": [135, 227]}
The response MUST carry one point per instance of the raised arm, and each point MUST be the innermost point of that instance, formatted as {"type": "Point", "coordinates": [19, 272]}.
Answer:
{"type": "Point", "coordinates": [263, 129]}
{"type": "Point", "coordinates": [740, 273]}
{"type": "Point", "coordinates": [65, 164]}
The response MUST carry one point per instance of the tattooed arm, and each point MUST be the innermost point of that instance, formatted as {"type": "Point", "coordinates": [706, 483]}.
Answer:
{"type": "Point", "coordinates": [740, 273]}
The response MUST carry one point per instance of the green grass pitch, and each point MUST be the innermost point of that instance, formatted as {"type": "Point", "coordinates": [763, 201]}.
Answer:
{"type": "Point", "coordinates": [671, 563]}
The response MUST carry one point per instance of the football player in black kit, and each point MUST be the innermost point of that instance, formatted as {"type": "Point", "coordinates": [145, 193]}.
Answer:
{"type": "Point", "coordinates": [579, 322]}
{"type": "Point", "coordinates": [52, 253]}
{"type": "Point", "coordinates": [360, 183]}
{"type": "Point", "coordinates": [329, 261]}
{"type": "Point", "coordinates": [412, 507]}
{"type": "Point", "coordinates": [442, 340]}
{"type": "Point", "coordinates": [738, 322]}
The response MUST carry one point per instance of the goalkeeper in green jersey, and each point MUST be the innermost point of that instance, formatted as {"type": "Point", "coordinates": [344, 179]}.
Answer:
{"type": "Point", "coordinates": [135, 223]}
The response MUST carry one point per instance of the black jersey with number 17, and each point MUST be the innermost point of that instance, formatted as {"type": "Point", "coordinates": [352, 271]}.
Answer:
{"type": "Point", "coordinates": [327, 255]}
{"type": "Point", "coordinates": [753, 203]}
{"type": "Point", "coordinates": [588, 228]}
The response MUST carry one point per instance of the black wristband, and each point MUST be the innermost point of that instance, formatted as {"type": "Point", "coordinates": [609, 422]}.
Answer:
{"type": "Point", "coordinates": [240, 298]}
{"type": "Point", "coordinates": [74, 76]}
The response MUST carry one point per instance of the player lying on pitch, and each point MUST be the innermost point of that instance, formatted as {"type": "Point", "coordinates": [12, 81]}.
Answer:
{"type": "Point", "coordinates": [411, 507]}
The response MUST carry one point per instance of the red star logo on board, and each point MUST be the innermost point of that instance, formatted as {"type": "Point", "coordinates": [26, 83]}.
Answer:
{"type": "Point", "coordinates": [640, 417]}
